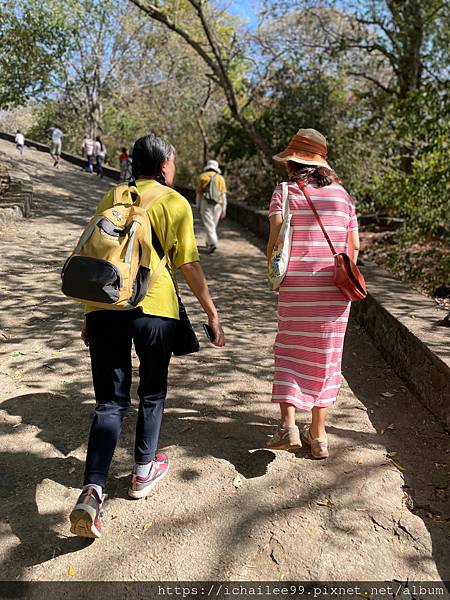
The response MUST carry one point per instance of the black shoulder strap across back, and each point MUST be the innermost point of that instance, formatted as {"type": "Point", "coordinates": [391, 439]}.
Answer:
{"type": "Point", "coordinates": [160, 252]}
{"type": "Point", "coordinates": [157, 244]}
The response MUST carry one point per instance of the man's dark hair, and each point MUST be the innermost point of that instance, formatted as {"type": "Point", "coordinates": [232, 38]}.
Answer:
{"type": "Point", "coordinates": [148, 154]}
{"type": "Point", "coordinates": [123, 149]}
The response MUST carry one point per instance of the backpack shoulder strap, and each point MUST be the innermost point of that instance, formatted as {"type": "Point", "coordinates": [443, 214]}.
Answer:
{"type": "Point", "coordinates": [148, 198]}
{"type": "Point", "coordinates": [123, 194]}
{"type": "Point", "coordinates": [145, 201]}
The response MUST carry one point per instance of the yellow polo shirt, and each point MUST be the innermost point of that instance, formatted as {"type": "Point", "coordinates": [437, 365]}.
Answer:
{"type": "Point", "coordinates": [173, 223]}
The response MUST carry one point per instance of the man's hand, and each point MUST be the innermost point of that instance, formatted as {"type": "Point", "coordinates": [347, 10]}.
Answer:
{"type": "Point", "coordinates": [84, 333]}
{"type": "Point", "coordinates": [223, 215]}
{"type": "Point", "coordinates": [219, 336]}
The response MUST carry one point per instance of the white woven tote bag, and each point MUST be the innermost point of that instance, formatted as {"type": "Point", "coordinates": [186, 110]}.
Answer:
{"type": "Point", "coordinates": [279, 260]}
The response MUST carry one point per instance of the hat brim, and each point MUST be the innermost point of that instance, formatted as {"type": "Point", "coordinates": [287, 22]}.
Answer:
{"type": "Point", "coordinates": [209, 168]}
{"type": "Point", "coordinates": [320, 162]}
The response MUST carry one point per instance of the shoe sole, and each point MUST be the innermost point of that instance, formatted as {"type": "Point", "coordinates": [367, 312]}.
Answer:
{"type": "Point", "coordinates": [136, 494]}
{"type": "Point", "coordinates": [288, 447]}
{"type": "Point", "coordinates": [82, 524]}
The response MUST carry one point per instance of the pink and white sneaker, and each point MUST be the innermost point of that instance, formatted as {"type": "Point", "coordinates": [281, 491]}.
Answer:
{"type": "Point", "coordinates": [141, 486]}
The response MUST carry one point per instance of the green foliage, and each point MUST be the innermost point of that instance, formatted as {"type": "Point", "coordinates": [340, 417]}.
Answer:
{"type": "Point", "coordinates": [412, 178]}
{"type": "Point", "coordinates": [33, 38]}
{"type": "Point", "coordinates": [53, 113]}
{"type": "Point", "coordinates": [370, 75]}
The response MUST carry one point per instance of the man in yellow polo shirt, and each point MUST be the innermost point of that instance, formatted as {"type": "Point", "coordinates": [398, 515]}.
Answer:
{"type": "Point", "coordinates": [152, 327]}
{"type": "Point", "coordinates": [211, 209]}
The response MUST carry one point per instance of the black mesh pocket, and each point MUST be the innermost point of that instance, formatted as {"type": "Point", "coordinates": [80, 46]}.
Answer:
{"type": "Point", "coordinates": [140, 286]}
{"type": "Point", "coordinates": [91, 279]}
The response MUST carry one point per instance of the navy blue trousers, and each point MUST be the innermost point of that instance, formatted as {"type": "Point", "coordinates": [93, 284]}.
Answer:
{"type": "Point", "coordinates": [110, 335]}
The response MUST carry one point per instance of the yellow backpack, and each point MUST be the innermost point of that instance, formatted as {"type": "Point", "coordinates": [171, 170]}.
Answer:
{"type": "Point", "coordinates": [110, 266]}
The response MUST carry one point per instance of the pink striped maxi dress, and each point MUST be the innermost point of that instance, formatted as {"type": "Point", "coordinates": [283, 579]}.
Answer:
{"type": "Point", "coordinates": [312, 312]}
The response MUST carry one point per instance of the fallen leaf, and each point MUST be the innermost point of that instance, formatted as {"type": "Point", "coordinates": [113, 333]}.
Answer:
{"type": "Point", "coordinates": [399, 466]}
{"type": "Point", "coordinates": [362, 509]}
{"type": "Point", "coordinates": [135, 536]}
{"type": "Point", "coordinates": [326, 502]}
{"type": "Point", "coordinates": [18, 353]}
{"type": "Point", "coordinates": [71, 571]}
{"type": "Point", "coordinates": [387, 394]}
{"type": "Point", "coordinates": [114, 517]}
{"type": "Point", "coordinates": [71, 470]}
{"type": "Point", "coordinates": [391, 454]}
{"type": "Point", "coordinates": [391, 426]}
{"type": "Point", "coordinates": [146, 526]}
{"type": "Point", "coordinates": [237, 481]}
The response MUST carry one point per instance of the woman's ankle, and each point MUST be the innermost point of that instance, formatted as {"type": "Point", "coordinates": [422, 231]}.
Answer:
{"type": "Point", "coordinates": [286, 424]}
{"type": "Point", "coordinates": [317, 433]}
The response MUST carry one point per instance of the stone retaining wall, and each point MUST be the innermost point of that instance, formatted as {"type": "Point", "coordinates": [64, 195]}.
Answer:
{"type": "Point", "coordinates": [4, 179]}
{"type": "Point", "coordinates": [15, 197]}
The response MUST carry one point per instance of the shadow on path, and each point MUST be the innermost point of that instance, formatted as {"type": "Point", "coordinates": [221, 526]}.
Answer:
{"type": "Point", "coordinates": [216, 424]}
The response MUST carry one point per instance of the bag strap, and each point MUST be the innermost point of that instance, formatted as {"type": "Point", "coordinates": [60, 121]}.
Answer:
{"type": "Point", "coordinates": [285, 200]}
{"type": "Point", "coordinates": [209, 185]}
{"type": "Point", "coordinates": [148, 198]}
{"type": "Point", "coordinates": [123, 194]}
{"type": "Point", "coordinates": [162, 256]}
{"type": "Point", "coordinates": [145, 201]}
{"type": "Point", "coordinates": [316, 214]}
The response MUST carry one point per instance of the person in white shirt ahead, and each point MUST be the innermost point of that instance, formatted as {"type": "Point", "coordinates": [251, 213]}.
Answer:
{"type": "Point", "coordinates": [88, 152]}
{"type": "Point", "coordinates": [56, 145]}
{"type": "Point", "coordinates": [20, 142]}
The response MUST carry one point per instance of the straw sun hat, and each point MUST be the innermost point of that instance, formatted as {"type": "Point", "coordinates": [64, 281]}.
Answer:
{"type": "Point", "coordinates": [308, 147]}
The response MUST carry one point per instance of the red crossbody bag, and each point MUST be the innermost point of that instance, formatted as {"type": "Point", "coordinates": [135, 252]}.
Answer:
{"type": "Point", "coordinates": [347, 277]}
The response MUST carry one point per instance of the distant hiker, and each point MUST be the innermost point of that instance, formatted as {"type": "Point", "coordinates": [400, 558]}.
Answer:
{"type": "Point", "coordinates": [100, 155]}
{"type": "Point", "coordinates": [154, 325]}
{"type": "Point", "coordinates": [211, 200]}
{"type": "Point", "coordinates": [56, 144]}
{"type": "Point", "coordinates": [312, 310]}
{"type": "Point", "coordinates": [125, 165]}
{"type": "Point", "coordinates": [20, 142]}
{"type": "Point", "coordinates": [88, 152]}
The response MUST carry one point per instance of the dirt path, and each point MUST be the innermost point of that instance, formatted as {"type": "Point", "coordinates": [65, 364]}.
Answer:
{"type": "Point", "coordinates": [229, 509]}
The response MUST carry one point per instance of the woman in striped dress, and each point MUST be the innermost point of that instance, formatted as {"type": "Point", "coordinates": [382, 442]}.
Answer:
{"type": "Point", "coordinates": [312, 312]}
